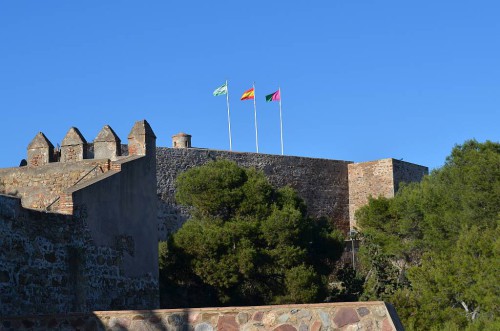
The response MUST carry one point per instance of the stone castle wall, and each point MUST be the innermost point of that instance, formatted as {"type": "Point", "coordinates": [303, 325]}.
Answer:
{"type": "Point", "coordinates": [379, 178]}
{"type": "Point", "coordinates": [49, 263]}
{"type": "Point", "coordinates": [323, 184]}
{"type": "Point", "coordinates": [405, 172]}
{"type": "Point", "coordinates": [375, 316]}
{"type": "Point", "coordinates": [40, 186]}
{"type": "Point", "coordinates": [100, 250]}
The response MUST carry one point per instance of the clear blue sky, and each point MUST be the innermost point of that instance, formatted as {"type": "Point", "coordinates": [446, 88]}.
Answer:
{"type": "Point", "coordinates": [360, 80]}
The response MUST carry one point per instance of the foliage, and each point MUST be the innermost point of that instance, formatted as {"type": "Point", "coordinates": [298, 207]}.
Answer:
{"type": "Point", "coordinates": [433, 249]}
{"type": "Point", "coordinates": [246, 243]}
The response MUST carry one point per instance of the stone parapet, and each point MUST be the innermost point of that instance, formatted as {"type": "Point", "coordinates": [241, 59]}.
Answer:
{"type": "Point", "coordinates": [85, 237]}
{"type": "Point", "coordinates": [375, 316]}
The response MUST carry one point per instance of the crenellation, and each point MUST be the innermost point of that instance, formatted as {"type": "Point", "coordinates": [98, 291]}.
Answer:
{"type": "Point", "coordinates": [99, 208]}
{"type": "Point", "coordinates": [107, 145]}
{"type": "Point", "coordinates": [73, 146]}
{"type": "Point", "coordinates": [40, 151]}
{"type": "Point", "coordinates": [141, 139]}
{"type": "Point", "coordinates": [94, 218]}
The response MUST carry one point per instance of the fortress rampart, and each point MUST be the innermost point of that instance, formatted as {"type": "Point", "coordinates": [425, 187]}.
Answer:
{"type": "Point", "coordinates": [323, 184]}
{"type": "Point", "coordinates": [379, 178]}
{"type": "Point", "coordinates": [80, 224]}
{"type": "Point", "coordinates": [331, 188]}
{"type": "Point", "coordinates": [77, 234]}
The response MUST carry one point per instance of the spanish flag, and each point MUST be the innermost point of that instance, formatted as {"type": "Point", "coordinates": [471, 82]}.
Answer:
{"type": "Point", "coordinates": [248, 95]}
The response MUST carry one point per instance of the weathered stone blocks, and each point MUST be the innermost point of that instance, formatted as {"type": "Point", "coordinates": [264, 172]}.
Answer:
{"type": "Point", "coordinates": [379, 178]}
{"type": "Point", "coordinates": [314, 317]}
{"type": "Point", "coordinates": [40, 151]}
{"type": "Point", "coordinates": [323, 184]}
{"type": "Point", "coordinates": [107, 144]}
{"type": "Point", "coordinates": [73, 146]}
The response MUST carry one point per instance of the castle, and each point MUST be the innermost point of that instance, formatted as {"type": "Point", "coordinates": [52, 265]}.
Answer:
{"type": "Point", "coordinates": [80, 225]}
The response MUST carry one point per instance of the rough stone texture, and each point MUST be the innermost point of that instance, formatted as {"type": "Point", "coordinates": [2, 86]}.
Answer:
{"type": "Point", "coordinates": [321, 183]}
{"type": "Point", "coordinates": [363, 311]}
{"type": "Point", "coordinates": [242, 318]}
{"type": "Point", "coordinates": [107, 144]}
{"type": "Point", "coordinates": [39, 187]}
{"type": "Point", "coordinates": [345, 316]}
{"type": "Point", "coordinates": [51, 264]}
{"type": "Point", "coordinates": [40, 151]}
{"type": "Point", "coordinates": [221, 319]}
{"type": "Point", "coordinates": [181, 140]}
{"type": "Point", "coordinates": [227, 323]}
{"type": "Point", "coordinates": [285, 327]}
{"type": "Point", "coordinates": [141, 139]}
{"type": "Point", "coordinates": [73, 146]}
{"type": "Point", "coordinates": [405, 172]}
{"type": "Point", "coordinates": [378, 178]}
{"type": "Point", "coordinates": [103, 254]}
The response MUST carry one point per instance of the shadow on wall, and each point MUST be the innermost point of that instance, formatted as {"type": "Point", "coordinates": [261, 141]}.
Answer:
{"type": "Point", "coordinates": [100, 321]}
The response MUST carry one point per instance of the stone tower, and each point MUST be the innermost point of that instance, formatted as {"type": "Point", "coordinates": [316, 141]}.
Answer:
{"type": "Point", "coordinates": [181, 140]}
{"type": "Point", "coordinates": [40, 151]}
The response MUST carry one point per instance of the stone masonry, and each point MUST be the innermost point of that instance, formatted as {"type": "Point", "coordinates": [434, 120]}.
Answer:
{"type": "Point", "coordinates": [374, 316]}
{"type": "Point", "coordinates": [80, 234]}
{"type": "Point", "coordinates": [379, 178]}
{"type": "Point", "coordinates": [331, 188]}
{"type": "Point", "coordinates": [79, 227]}
{"type": "Point", "coordinates": [323, 184]}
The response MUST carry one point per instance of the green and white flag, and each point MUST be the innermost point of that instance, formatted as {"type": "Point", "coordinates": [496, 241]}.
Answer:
{"type": "Point", "coordinates": [221, 90]}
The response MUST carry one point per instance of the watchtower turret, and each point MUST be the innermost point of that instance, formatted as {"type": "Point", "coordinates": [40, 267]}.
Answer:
{"type": "Point", "coordinates": [181, 140]}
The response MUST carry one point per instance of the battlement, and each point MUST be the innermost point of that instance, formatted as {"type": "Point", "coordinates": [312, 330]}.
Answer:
{"type": "Point", "coordinates": [85, 218]}
{"type": "Point", "coordinates": [50, 173]}
{"type": "Point", "coordinates": [82, 217]}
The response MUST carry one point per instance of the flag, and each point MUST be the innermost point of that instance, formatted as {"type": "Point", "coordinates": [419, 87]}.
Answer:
{"type": "Point", "coordinates": [248, 95]}
{"type": "Point", "coordinates": [273, 96]}
{"type": "Point", "coordinates": [221, 90]}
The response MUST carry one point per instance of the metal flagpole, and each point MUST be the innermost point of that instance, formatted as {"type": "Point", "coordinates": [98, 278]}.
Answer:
{"type": "Point", "coordinates": [281, 122]}
{"type": "Point", "coordinates": [255, 112]}
{"type": "Point", "coordinates": [229, 117]}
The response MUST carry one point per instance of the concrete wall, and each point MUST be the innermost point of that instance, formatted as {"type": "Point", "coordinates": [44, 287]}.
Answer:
{"type": "Point", "coordinates": [321, 183]}
{"type": "Point", "coordinates": [379, 178]}
{"type": "Point", "coordinates": [374, 316]}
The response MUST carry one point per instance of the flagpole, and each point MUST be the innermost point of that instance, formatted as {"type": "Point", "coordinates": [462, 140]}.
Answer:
{"type": "Point", "coordinates": [229, 117]}
{"type": "Point", "coordinates": [281, 122]}
{"type": "Point", "coordinates": [255, 115]}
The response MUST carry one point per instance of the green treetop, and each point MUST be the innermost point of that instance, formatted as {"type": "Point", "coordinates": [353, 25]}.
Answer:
{"type": "Point", "coordinates": [246, 243]}
{"type": "Point", "coordinates": [433, 249]}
